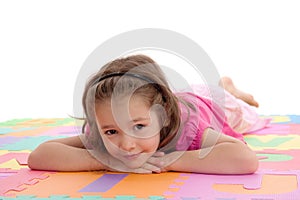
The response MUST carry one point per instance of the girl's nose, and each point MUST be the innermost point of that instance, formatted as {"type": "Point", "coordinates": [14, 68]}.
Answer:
{"type": "Point", "coordinates": [127, 143]}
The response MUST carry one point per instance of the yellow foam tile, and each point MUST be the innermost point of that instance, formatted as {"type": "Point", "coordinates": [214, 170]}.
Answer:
{"type": "Point", "coordinates": [292, 144]}
{"type": "Point", "coordinates": [2, 152]}
{"type": "Point", "coordinates": [32, 132]}
{"type": "Point", "coordinates": [12, 164]}
{"type": "Point", "coordinates": [270, 137]}
{"type": "Point", "coordinates": [279, 118]}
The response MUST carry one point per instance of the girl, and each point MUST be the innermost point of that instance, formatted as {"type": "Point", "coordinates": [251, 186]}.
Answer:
{"type": "Point", "coordinates": [135, 123]}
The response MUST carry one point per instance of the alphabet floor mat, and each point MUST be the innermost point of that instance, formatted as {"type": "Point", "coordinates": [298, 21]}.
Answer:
{"type": "Point", "coordinates": [278, 147]}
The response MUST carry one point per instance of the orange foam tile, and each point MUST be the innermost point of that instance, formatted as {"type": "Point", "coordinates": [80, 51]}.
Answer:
{"type": "Point", "coordinates": [143, 185]}
{"type": "Point", "coordinates": [32, 132]}
{"type": "Point", "coordinates": [60, 183]}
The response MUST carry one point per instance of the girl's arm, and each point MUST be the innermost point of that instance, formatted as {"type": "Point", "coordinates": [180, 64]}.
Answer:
{"type": "Point", "coordinates": [66, 154]}
{"type": "Point", "coordinates": [220, 154]}
{"type": "Point", "coordinates": [69, 154]}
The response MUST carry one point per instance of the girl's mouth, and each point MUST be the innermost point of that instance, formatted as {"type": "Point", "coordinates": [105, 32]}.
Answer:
{"type": "Point", "coordinates": [132, 156]}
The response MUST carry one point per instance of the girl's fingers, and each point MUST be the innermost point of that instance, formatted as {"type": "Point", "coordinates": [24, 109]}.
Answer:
{"type": "Point", "coordinates": [151, 168]}
{"type": "Point", "coordinates": [158, 154]}
{"type": "Point", "coordinates": [153, 164]}
{"type": "Point", "coordinates": [155, 161]}
{"type": "Point", "coordinates": [142, 171]}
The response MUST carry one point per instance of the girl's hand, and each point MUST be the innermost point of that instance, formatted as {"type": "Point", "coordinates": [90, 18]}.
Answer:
{"type": "Point", "coordinates": [167, 159]}
{"type": "Point", "coordinates": [153, 164]}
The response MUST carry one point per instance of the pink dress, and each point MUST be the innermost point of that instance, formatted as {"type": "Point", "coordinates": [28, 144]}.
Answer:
{"type": "Point", "coordinates": [223, 113]}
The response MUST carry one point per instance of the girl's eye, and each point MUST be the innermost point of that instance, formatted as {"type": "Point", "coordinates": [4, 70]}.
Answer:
{"type": "Point", "coordinates": [111, 132]}
{"type": "Point", "coordinates": [139, 127]}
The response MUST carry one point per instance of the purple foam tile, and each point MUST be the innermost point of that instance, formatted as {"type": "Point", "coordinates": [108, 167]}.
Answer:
{"type": "Point", "coordinates": [169, 193]}
{"type": "Point", "coordinates": [63, 130]}
{"type": "Point", "coordinates": [4, 130]}
{"type": "Point", "coordinates": [6, 174]}
{"type": "Point", "coordinates": [9, 140]}
{"type": "Point", "coordinates": [173, 186]}
{"type": "Point", "coordinates": [104, 183]}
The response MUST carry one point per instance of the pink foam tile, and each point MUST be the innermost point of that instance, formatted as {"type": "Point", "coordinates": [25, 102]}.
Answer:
{"type": "Point", "coordinates": [20, 157]}
{"type": "Point", "coordinates": [277, 129]}
{"type": "Point", "coordinates": [200, 186]}
{"type": "Point", "coordinates": [5, 172]}
{"type": "Point", "coordinates": [294, 129]}
{"type": "Point", "coordinates": [23, 176]}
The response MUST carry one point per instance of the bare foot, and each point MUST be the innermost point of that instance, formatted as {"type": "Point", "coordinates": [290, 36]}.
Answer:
{"type": "Point", "coordinates": [228, 85]}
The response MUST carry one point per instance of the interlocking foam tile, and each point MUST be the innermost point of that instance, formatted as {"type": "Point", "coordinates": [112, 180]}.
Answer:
{"type": "Point", "coordinates": [278, 129]}
{"type": "Point", "coordinates": [259, 185]}
{"type": "Point", "coordinates": [65, 197]}
{"type": "Point", "coordinates": [12, 164]}
{"type": "Point", "coordinates": [23, 176]}
{"type": "Point", "coordinates": [13, 122]}
{"type": "Point", "coordinates": [278, 147]}
{"type": "Point", "coordinates": [8, 140]}
{"type": "Point", "coordinates": [11, 130]}
{"type": "Point", "coordinates": [295, 119]}
{"type": "Point", "coordinates": [63, 130]}
{"type": "Point", "coordinates": [35, 131]}
{"type": "Point", "coordinates": [5, 172]}
{"type": "Point", "coordinates": [28, 143]}
{"type": "Point", "coordinates": [281, 119]}
{"type": "Point", "coordinates": [2, 152]}
{"type": "Point", "coordinates": [28, 122]}
{"type": "Point", "coordinates": [280, 142]}
{"type": "Point", "coordinates": [78, 184]}
{"type": "Point", "coordinates": [280, 160]}
{"type": "Point", "coordinates": [104, 183]}
{"type": "Point", "coordinates": [20, 157]}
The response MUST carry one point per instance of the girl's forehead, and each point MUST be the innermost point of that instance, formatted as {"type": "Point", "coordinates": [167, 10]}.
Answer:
{"type": "Point", "coordinates": [122, 113]}
{"type": "Point", "coordinates": [124, 100]}
{"type": "Point", "coordinates": [133, 105]}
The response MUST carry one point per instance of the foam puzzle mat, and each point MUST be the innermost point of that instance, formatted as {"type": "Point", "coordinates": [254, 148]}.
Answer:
{"type": "Point", "coordinates": [278, 147]}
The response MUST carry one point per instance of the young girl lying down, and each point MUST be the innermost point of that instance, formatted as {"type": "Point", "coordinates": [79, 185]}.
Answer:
{"type": "Point", "coordinates": [135, 123]}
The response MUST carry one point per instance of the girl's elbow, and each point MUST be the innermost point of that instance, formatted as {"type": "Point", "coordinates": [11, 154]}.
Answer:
{"type": "Point", "coordinates": [254, 165]}
{"type": "Point", "coordinates": [32, 160]}
{"type": "Point", "coordinates": [35, 158]}
{"type": "Point", "coordinates": [249, 164]}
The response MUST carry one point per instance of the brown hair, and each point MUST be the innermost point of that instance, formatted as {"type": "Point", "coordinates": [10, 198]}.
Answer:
{"type": "Point", "coordinates": [142, 66]}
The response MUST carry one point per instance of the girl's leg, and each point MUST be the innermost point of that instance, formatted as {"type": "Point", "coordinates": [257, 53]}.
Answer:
{"type": "Point", "coordinates": [227, 84]}
{"type": "Point", "coordinates": [238, 106]}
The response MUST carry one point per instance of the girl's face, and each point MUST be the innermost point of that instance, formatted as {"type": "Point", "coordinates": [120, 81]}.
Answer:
{"type": "Point", "coordinates": [129, 130]}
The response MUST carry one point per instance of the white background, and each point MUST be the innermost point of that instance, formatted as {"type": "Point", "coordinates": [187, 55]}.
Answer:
{"type": "Point", "coordinates": [43, 45]}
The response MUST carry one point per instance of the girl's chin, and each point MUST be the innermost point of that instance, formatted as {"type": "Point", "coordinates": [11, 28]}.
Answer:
{"type": "Point", "coordinates": [134, 164]}
{"type": "Point", "coordinates": [137, 161]}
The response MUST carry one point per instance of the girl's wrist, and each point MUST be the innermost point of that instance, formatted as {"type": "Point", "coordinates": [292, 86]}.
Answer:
{"type": "Point", "coordinates": [172, 159]}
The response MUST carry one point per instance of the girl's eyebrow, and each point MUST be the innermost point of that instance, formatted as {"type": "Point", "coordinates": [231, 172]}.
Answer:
{"type": "Point", "coordinates": [107, 127]}
{"type": "Point", "coordinates": [140, 119]}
